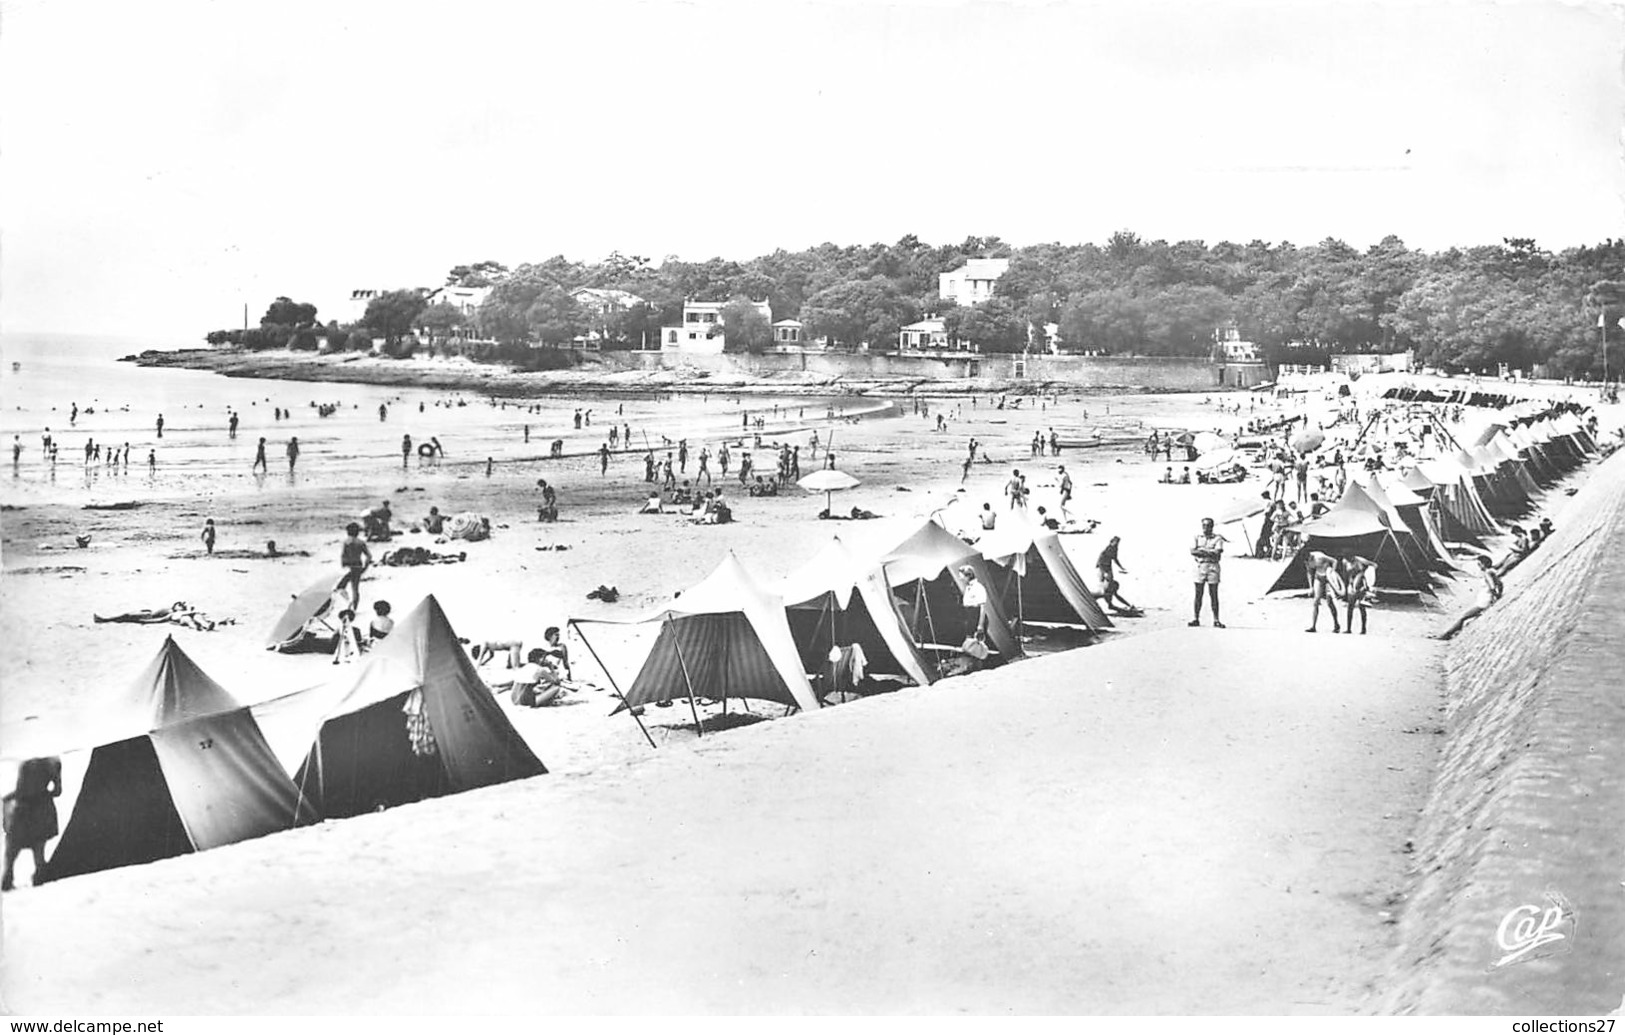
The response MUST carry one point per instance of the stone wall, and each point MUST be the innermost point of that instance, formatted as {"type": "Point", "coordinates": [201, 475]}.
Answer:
{"type": "Point", "coordinates": [1528, 806]}
{"type": "Point", "coordinates": [1102, 372]}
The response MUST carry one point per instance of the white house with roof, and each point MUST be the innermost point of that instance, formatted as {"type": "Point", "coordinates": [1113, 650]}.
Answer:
{"type": "Point", "coordinates": [930, 333]}
{"type": "Point", "coordinates": [787, 333]}
{"type": "Point", "coordinates": [701, 329]}
{"type": "Point", "coordinates": [467, 300]}
{"type": "Point", "coordinates": [972, 282]}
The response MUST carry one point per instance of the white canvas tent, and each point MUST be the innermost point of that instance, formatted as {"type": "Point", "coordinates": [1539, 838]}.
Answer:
{"type": "Point", "coordinates": [834, 600]}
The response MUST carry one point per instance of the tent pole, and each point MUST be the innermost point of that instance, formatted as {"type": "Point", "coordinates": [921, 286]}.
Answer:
{"type": "Point", "coordinates": [630, 709]}
{"type": "Point", "coordinates": [1021, 609]}
{"type": "Point", "coordinates": [694, 709]}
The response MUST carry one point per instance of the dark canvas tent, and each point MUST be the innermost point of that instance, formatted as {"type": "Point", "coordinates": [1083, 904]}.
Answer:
{"type": "Point", "coordinates": [416, 722]}
{"type": "Point", "coordinates": [182, 767]}
{"type": "Point", "coordinates": [1357, 526]}
{"type": "Point", "coordinates": [836, 601]}
{"type": "Point", "coordinates": [1036, 581]}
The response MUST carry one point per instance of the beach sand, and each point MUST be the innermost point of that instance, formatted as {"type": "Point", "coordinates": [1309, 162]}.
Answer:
{"type": "Point", "coordinates": [1174, 820]}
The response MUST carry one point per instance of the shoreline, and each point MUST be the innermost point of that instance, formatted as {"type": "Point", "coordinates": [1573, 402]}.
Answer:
{"type": "Point", "coordinates": [458, 374]}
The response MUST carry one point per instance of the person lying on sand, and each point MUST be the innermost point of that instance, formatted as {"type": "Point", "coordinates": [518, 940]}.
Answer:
{"type": "Point", "coordinates": [412, 556]}
{"type": "Point", "coordinates": [180, 613]}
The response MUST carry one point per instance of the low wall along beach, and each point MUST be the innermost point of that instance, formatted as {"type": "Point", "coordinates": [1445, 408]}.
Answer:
{"type": "Point", "coordinates": [1523, 837]}
{"type": "Point", "coordinates": [1151, 372]}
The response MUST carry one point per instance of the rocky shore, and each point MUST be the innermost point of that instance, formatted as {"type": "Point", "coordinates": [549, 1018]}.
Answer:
{"type": "Point", "coordinates": [464, 375]}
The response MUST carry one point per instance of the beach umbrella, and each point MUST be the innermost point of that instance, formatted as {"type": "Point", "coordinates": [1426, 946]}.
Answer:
{"type": "Point", "coordinates": [1218, 458]}
{"type": "Point", "coordinates": [826, 482]}
{"type": "Point", "coordinates": [1308, 440]}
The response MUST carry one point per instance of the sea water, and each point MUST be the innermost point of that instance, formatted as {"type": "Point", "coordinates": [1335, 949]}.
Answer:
{"type": "Point", "coordinates": [119, 403]}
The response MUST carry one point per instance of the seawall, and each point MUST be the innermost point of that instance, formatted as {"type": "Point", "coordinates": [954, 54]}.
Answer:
{"type": "Point", "coordinates": [1525, 826]}
{"type": "Point", "coordinates": [1158, 373]}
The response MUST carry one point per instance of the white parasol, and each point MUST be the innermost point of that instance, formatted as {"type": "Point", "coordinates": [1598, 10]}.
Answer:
{"type": "Point", "coordinates": [826, 482]}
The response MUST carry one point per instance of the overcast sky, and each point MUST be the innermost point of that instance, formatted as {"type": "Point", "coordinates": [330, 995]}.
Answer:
{"type": "Point", "coordinates": [166, 162]}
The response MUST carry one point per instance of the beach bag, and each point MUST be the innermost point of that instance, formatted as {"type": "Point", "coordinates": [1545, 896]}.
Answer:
{"type": "Point", "coordinates": [975, 648]}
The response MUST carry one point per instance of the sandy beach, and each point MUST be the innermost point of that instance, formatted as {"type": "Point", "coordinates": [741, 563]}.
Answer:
{"type": "Point", "coordinates": [1082, 832]}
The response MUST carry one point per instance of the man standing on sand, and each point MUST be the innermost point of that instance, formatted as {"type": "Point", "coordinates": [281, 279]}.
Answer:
{"type": "Point", "coordinates": [355, 559]}
{"type": "Point", "coordinates": [406, 448]}
{"type": "Point", "coordinates": [293, 452]}
{"type": "Point", "coordinates": [705, 466]}
{"type": "Point", "coordinates": [1066, 491]}
{"type": "Point", "coordinates": [603, 458]}
{"type": "Point", "coordinates": [1208, 549]}
{"type": "Point", "coordinates": [1012, 488]}
{"type": "Point", "coordinates": [160, 425]}
{"type": "Point", "coordinates": [231, 425]}
{"type": "Point", "coordinates": [1324, 584]}
{"type": "Point", "coordinates": [1359, 575]}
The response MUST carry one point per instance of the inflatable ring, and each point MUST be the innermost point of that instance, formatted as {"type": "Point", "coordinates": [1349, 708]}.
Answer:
{"type": "Point", "coordinates": [425, 450]}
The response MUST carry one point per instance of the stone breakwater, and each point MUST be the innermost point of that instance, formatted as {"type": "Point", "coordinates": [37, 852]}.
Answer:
{"type": "Point", "coordinates": [1523, 837]}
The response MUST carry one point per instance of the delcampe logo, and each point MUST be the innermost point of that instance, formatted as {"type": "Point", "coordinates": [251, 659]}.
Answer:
{"type": "Point", "coordinates": [1531, 932]}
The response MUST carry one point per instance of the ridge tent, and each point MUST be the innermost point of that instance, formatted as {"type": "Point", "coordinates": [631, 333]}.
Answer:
{"type": "Point", "coordinates": [1361, 489]}
{"type": "Point", "coordinates": [1037, 581]}
{"type": "Point", "coordinates": [1458, 499]}
{"type": "Point", "coordinates": [181, 767]}
{"type": "Point", "coordinates": [1410, 528]}
{"type": "Point", "coordinates": [921, 562]}
{"type": "Point", "coordinates": [834, 600]}
{"type": "Point", "coordinates": [1357, 526]}
{"type": "Point", "coordinates": [292, 633]}
{"type": "Point", "coordinates": [416, 722]}
{"type": "Point", "coordinates": [725, 637]}
{"type": "Point", "coordinates": [1420, 511]}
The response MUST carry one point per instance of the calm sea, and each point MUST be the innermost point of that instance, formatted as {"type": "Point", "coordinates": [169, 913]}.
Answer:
{"type": "Point", "coordinates": [43, 377]}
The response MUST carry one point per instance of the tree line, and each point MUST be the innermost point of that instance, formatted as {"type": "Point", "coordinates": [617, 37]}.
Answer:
{"type": "Point", "coordinates": [1459, 309]}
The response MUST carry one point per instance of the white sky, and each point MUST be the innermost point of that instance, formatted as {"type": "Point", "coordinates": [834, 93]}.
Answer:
{"type": "Point", "coordinates": [164, 162]}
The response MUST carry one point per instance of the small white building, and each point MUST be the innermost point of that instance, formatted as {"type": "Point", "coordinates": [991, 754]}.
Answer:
{"type": "Point", "coordinates": [930, 333]}
{"type": "Point", "coordinates": [701, 329]}
{"type": "Point", "coordinates": [972, 282]}
{"type": "Point", "coordinates": [787, 332]}
{"type": "Point", "coordinates": [467, 300]}
{"type": "Point", "coordinates": [1232, 348]}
